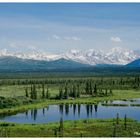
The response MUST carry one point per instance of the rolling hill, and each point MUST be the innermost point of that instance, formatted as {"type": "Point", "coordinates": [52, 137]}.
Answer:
{"type": "Point", "coordinates": [135, 63]}
{"type": "Point", "coordinates": [18, 64]}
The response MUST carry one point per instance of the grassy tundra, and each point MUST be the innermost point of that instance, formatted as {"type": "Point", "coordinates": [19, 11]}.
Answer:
{"type": "Point", "coordinates": [20, 94]}
{"type": "Point", "coordinates": [14, 98]}
{"type": "Point", "coordinates": [78, 128]}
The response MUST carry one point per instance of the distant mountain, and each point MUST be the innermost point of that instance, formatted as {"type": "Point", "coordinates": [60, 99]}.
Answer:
{"type": "Point", "coordinates": [135, 63]}
{"type": "Point", "coordinates": [18, 64]}
{"type": "Point", "coordinates": [115, 56]}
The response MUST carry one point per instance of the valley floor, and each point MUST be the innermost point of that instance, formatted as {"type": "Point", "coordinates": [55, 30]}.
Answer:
{"type": "Point", "coordinates": [15, 101]}
{"type": "Point", "coordinates": [79, 128]}
{"type": "Point", "coordinates": [117, 95]}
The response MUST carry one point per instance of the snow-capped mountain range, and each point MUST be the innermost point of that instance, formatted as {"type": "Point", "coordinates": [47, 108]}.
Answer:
{"type": "Point", "coordinates": [117, 56]}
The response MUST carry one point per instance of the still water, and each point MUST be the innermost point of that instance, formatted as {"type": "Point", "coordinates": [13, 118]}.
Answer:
{"type": "Point", "coordinates": [53, 113]}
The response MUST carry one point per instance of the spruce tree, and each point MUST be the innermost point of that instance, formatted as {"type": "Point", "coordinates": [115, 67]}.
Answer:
{"type": "Point", "coordinates": [87, 88]}
{"type": "Point", "coordinates": [125, 123]}
{"type": "Point", "coordinates": [47, 93]}
{"type": "Point", "coordinates": [61, 127]}
{"type": "Point", "coordinates": [31, 92]}
{"type": "Point", "coordinates": [95, 89]}
{"type": "Point", "coordinates": [55, 132]}
{"type": "Point", "coordinates": [66, 96]}
{"type": "Point", "coordinates": [43, 91]}
{"type": "Point", "coordinates": [117, 118]}
{"type": "Point", "coordinates": [60, 93]}
{"type": "Point", "coordinates": [26, 92]}
{"type": "Point", "coordinates": [71, 91]}
{"type": "Point", "coordinates": [90, 88]}
{"type": "Point", "coordinates": [114, 131]}
{"type": "Point", "coordinates": [34, 92]}
{"type": "Point", "coordinates": [106, 92]}
{"type": "Point", "coordinates": [78, 91]}
{"type": "Point", "coordinates": [111, 92]}
{"type": "Point", "coordinates": [74, 91]}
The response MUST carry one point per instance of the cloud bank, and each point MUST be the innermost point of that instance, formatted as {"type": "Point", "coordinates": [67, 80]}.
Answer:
{"type": "Point", "coordinates": [116, 39]}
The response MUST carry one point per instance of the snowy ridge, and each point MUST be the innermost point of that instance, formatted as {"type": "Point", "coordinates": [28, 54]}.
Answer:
{"type": "Point", "coordinates": [93, 57]}
{"type": "Point", "coordinates": [118, 56]}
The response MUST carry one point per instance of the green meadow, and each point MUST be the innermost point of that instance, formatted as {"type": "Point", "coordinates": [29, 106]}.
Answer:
{"type": "Point", "coordinates": [20, 94]}
{"type": "Point", "coordinates": [79, 128]}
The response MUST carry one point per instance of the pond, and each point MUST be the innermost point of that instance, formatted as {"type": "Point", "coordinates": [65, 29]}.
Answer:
{"type": "Point", "coordinates": [53, 113]}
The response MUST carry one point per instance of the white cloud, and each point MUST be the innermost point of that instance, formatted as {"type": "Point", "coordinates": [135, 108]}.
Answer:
{"type": "Point", "coordinates": [115, 39]}
{"type": "Point", "coordinates": [56, 37]}
{"type": "Point", "coordinates": [72, 38]}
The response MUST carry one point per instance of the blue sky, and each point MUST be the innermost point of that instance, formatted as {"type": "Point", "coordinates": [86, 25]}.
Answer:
{"type": "Point", "coordinates": [58, 27]}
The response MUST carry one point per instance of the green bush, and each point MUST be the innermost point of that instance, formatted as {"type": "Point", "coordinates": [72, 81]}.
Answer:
{"type": "Point", "coordinates": [10, 102]}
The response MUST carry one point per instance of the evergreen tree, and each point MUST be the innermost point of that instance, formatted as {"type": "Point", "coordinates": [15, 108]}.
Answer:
{"type": "Point", "coordinates": [70, 91]}
{"type": "Point", "coordinates": [66, 96]}
{"type": "Point", "coordinates": [60, 93]}
{"type": "Point", "coordinates": [43, 91]}
{"type": "Point", "coordinates": [90, 88]}
{"type": "Point", "coordinates": [34, 92]}
{"type": "Point", "coordinates": [78, 91]}
{"type": "Point", "coordinates": [26, 92]}
{"type": "Point", "coordinates": [106, 92]}
{"type": "Point", "coordinates": [95, 89]}
{"type": "Point", "coordinates": [61, 127]}
{"type": "Point", "coordinates": [125, 119]}
{"type": "Point", "coordinates": [74, 91]}
{"type": "Point", "coordinates": [47, 93]}
{"type": "Point", "coordinates": [55, 132]}
{"type": "Point", "coordinates": [117, 119]}
{"type": "Point", "coordinates": [114, 131]}
{"type": "Point", "coordinates": [31, 92]}
{"type": "Point", "coordinates": [87, 88]}
{"type": "Point", "coordinates": [111, 92]}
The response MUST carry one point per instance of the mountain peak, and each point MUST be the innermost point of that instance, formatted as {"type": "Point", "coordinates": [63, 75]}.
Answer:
{"type": "Point", "coordinates": [116, 55]}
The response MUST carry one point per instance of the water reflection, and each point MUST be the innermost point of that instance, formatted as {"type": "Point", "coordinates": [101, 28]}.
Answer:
{"type": "Point", "coordinates": [32, 111]}
{"type": "Point", "coordinates": [73, 108]}
{"type": "Point", "coordinates": [67, 109]}
{"type": "Point", "coordinates": [95, 107]}
{"type": "Point", "coordinates": [79, 108]}
{"type": "Point", "coordinates": [91, 109]}
{"type": "Point", "coordinates": [61, 109]}
{"type": "Point", "coordinates": [47, 107]}
{"type": "Point", "coordinates": [87, 109]}
{"type": "Point", "coordinates": [26, 113]}
{"type": "Point", "coordinates": [33, 114]}
{"type": "Point", "coordinates": [70, 112]}
{"type": "Point", "coordinates": [43, 111]}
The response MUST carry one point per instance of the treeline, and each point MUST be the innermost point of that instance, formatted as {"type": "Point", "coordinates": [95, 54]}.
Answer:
{"type": "Point", "coordinates": [68, 90]}
{"type": "Point", "coordinates": [75, 90]}
{"type": "Point", "coordinates": [33, 93]}
{"type": "Point", "coordinates": [104, 82]}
